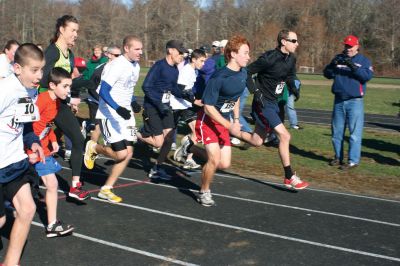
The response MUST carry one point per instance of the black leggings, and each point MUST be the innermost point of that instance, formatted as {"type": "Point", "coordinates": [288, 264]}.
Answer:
{"type": "Point", "coordinates": [67, 123]}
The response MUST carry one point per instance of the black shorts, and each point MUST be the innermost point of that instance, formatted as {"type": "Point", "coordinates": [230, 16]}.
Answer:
{"type": "Point", "coordinates": [154, 123]}
{"type": "Point", "coordinates": [10, 189]}
{"type": "Point", "coordinates": [186, 115]}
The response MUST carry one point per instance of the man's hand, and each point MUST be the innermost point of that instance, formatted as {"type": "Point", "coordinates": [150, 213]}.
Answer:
{"type": "Point", "coordinates": [38, 150]}
{"type": "Point", "coordinates": [136, 108]}
{"type": "Point", "coordinates": [234, 128]}
{"type": "Point", "coordinates": [55, 147]}
{"type": "Point", "coordinates": [123, 112]}
{"type": "Point", "coordinates": [348, 62]}
{"type": "Point", "coordinates": [33, 158]}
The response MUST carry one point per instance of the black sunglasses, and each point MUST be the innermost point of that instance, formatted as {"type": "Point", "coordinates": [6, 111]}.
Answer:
{"type": "Point", "coordinates": [116, 55]}
{"type": "Point", "coordinates": [291, 40]}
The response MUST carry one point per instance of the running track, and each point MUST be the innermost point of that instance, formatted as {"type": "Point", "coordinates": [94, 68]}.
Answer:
{"type": "Point", "coordinates": [254, 223]}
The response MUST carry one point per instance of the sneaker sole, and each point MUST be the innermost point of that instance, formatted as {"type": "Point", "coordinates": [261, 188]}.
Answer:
{"type": "Point", "coordinates": [69, 231]}
{"type": "Point", "coordinates": [107, 199]}
{"type": "Point", "coordinates": [86, 156]}
{"type": "Point", "coordinates": [176, 159]}
{"type": "Point", "coordinates": [166, 178]}
{"type": "Point", "coordinates": [292, 187]}
{"type": "Point", "coordinates": [204, 204]}
{"type": "Point", "coordinates": [78, 198]}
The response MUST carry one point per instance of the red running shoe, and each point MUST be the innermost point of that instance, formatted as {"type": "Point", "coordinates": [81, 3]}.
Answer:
{"type": "Point", "coordinates": [295, 183]}
{"type": "Point", "coordinates": [78, 192]}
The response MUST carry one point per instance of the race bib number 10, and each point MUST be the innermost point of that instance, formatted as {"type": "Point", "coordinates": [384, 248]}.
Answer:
{"type": "Point", "coordinates": [26, 111]}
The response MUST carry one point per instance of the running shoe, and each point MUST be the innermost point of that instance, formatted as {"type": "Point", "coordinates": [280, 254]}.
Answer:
{"type": "Point", "coordinates": [78, 192]}
{"type": "Point", "coordinates": [173, 146]}
{"type": "Point", "coordinates": [295, 183]}
{"type": "Point", "coordinates": [205, 199]}
{"type": "Point", "coordinates": [90, 154]}
{"type": "Point", "coordinates": [67, 155]}
{"type": "Point", "coordinates": [83, 129]}
{"type": "Point", "coordinates": [191, 165]}
{"type": "Point", "coordinates": [348, 166]}
{"type": "Point", "coordinates": [181, 151]}
{"type": "Point", "coordinates": [235, 141]}
{"type": "Point", "coordinates": [157, 172]}
{"type": "Point", "coordinates": [109, 195]}
{"type": "Point", "coordinates": [335, 162]}
{"type": "Point", "coordinates": [59, 229]}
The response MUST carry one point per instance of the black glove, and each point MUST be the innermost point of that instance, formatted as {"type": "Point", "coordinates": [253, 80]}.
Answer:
{"type": "Point", "coordinates": [123, 112]}
{"type": "Point", "coordinates": [296, 94]}
{"type": "Point", "coordinates": [339, 59]}
{"type": "Point", "coordinates": [188, 95]}
{"type": "Point", "coordinates": [136, 107]}
{"type": "Point", "coordinates": [163, 108]}
{"type": "Point", "coordinates": [348, 62]}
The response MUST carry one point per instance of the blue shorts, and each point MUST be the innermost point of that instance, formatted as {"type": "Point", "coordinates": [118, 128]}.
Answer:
{"type": "Point", "coordinates": [51, 166]}
{"type": "Point", "coordinates": [266, 116]}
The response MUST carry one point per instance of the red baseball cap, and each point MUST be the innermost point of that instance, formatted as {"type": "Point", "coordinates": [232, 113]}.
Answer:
{"type": "Point", "coordinates": [351, 40]}
{"type": "Point", "coordinates": [80, 62]}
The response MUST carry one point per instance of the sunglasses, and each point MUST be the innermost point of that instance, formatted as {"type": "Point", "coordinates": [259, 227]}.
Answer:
{"type": "Point", "coordinates": [116, 55]}
{"type": "Point", "coordinates": [291, 40]}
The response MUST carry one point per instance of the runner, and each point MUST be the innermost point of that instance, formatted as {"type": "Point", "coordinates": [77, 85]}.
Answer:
{"type": "Point", "coordinates": [48, 103]}
{"type": "Point", "coordinates": [184, 110]}
{"type": "Point", "coordinates": [17, 111]}
{"type": "Point", "coordinates": [213, 125]}
{"type": "Point", "coordinates": [160, 83]}
{"type": "Point", "coordinates": [115, 111]}
{"type": "Point", "coordinates": [274, 69]}
{"type": "Point", "coordinates": [58, 54]}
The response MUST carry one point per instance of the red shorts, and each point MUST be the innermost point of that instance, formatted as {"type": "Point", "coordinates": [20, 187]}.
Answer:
{"type": "Point", "coordinates": [209, 131]}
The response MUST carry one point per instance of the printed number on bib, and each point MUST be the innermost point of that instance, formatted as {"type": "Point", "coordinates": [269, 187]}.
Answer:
{"type": "Point", "coordinates": [133, 131]}
{"type": "Point", "coordinates": [26, 111]}
{"type": "Point", "coordinates": [165, 97]}
{"type": "Point", "coordinates": [279, 88]}
{"type": "Point", "coordinates": [227, 107]}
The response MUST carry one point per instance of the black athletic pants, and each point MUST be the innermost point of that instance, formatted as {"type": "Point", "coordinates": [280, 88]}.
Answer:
{"type": "Point", "coordinates": [68, 124]}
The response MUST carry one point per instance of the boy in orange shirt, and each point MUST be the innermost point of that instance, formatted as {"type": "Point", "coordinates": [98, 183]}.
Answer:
{"type": "Point", "coordinates": [48, 103]}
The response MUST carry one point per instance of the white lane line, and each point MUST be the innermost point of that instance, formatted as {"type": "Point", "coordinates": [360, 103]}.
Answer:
{"type": "Point", "coordinates": [264, 202]}
{"type": "Point", "coordinates": [355, 251]}
{"type": "Point", "coordinates": [279, 184]}
{"type": "Point", "coordinates": [126, 248]}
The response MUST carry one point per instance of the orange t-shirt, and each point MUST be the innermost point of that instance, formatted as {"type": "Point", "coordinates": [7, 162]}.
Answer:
{"type": "Point", "coordinates": [48, 109]}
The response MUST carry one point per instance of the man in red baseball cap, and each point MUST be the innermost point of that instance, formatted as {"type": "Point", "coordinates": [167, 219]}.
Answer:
{"type": "Point", "coordinates": [350, 72]}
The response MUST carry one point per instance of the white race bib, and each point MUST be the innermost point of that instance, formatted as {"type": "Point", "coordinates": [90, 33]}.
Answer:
{"type": "Point", "coordinates": [26, 111]}
{"type": "Point", "coordinates": [166, 97]}
{"type": "Point", "coordinates": [227, 107]}
{"type": "Point", "coordinates": [279, 88]}
{"type": "Point", "coordinates": [133, 131]}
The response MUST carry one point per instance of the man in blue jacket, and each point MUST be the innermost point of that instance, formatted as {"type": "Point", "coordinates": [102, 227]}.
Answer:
{"type": "Point", "coordinates": [161, 81]}
{"type": "Point", "coordinates": [350, 72]}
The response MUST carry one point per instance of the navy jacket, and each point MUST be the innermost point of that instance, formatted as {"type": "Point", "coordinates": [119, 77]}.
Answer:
{"type": "Point", "coordinates": [348, 83]}
{"type": "Point", "coordinates": [161, 78]}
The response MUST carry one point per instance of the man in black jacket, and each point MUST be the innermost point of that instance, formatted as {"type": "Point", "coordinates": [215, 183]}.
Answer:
{"type": "Point", "coordinates": [267, 77]}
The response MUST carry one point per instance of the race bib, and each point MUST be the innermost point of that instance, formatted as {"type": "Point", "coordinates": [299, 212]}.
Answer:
{"type": "Point", "coordinates": [133, 131]}
{"type": "Point", "coordinates": [26, 111]}
{"type": "Point", "coordinates": [227, 107]}
{"type": "Point", "coordinates": [166, 97]}
{"type": "Point", "coordinates": [279, 88]}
